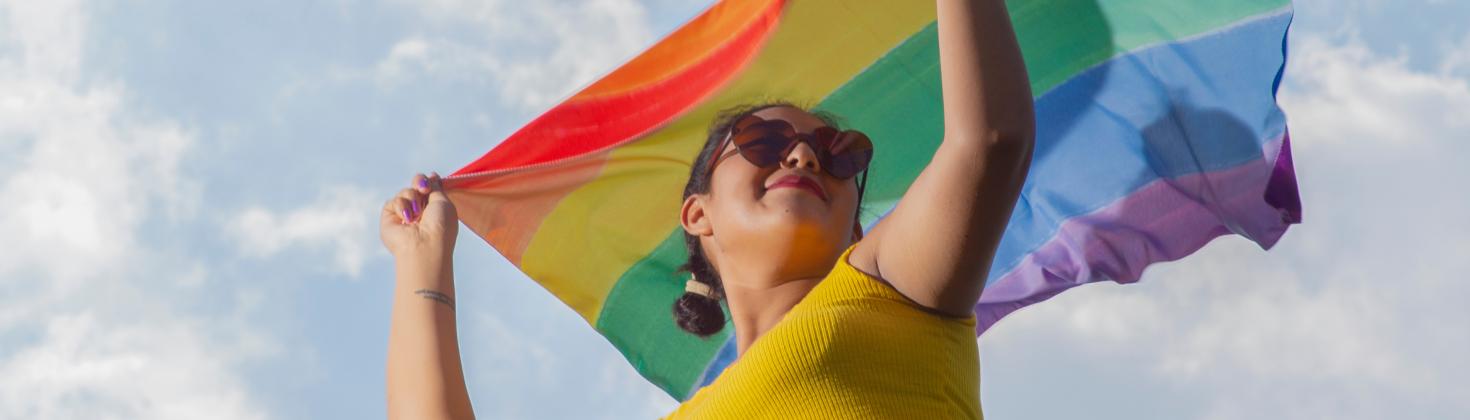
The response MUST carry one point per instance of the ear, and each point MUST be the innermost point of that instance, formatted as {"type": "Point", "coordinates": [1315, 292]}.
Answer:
{"type": "Point", "coordinates": [693, 218]}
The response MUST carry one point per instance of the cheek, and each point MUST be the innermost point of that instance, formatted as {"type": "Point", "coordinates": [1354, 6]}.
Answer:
{"type": "Point", "coordinates": [737, 184]}
{"type": "Point", "coordinates": [850, 203]}
{"type": "Point", "coordinates": [846, 193]}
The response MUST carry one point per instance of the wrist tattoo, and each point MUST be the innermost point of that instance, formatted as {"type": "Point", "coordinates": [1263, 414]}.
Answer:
{"type": "Point", "coordinates": [436, 296]}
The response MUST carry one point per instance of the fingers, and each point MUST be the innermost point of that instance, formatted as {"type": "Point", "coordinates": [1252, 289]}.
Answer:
{"type": "Point", "coordinates": [420, 182]}
{"type": "Point", "coordinates": [409, 205]}
{"type": "Point", "coordinates": [436, 187]}
{"type": "Point", "coordinates": [396, 210]}
{"type": "Point", "coordinates": [414, 203]}
{"type": "Point", "coordinates": [406, 207]}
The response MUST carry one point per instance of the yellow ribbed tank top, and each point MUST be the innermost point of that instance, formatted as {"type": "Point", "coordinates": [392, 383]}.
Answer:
{"type": "Point", "coordinates": [853, 348]}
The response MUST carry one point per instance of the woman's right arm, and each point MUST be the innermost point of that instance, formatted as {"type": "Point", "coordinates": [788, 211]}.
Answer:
{"type": "Point", "coordinates": [937, 245]}
{"type": "Point", "coordinates": [425, 378]}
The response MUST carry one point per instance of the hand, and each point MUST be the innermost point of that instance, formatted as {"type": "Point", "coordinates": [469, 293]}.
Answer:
{"type": "Point", "coordinates": [419, 225]}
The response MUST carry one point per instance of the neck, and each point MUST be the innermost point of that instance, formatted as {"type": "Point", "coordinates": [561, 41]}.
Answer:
{"type": "Point", "coordinates": [755, 309]}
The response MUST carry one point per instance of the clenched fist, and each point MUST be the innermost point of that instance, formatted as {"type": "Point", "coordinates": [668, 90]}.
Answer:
{"type": "Point", "coordinates": [419, 225]}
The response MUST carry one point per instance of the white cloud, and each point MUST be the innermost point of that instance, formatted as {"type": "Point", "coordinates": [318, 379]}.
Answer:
{"type": "Point", "coordinates": [1357, 313]}
{"type": "Point", "coordinates": [91, 322]}
{"type": "Point", "coordinates": [1456, 62]}
{"type": "Point", "coordinates": [87, 176]}
{"type": "Point", "coordinates": [416, 57]}
{"type": "Point", "coordinates": [1384, 99]}
{"type": "Point", "coordinates": [404, 53]}
{"type": "Point", "coordinates": [341, 220]}
{"type": "Point", "coordinates": [46, 36]}
{"type": "Point", "coordinates": [85, 367]}
{"type": "Point", "coordinates": [536, 53]}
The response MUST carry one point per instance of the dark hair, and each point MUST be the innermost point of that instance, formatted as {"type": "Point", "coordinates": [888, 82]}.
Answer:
{"type": "Point", "coordinates": [700, 315]}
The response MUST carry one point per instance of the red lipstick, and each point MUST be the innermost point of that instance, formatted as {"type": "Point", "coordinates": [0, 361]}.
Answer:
{"type": "Point", "coordinates": [798, 181]}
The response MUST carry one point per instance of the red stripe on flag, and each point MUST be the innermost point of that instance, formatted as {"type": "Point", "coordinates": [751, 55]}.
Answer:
{"type": "Point", "coordinates": [592, 123]}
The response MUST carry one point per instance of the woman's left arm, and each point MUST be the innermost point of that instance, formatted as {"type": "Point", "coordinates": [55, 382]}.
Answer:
{"type": "Point", "coordinates": [937, 245]}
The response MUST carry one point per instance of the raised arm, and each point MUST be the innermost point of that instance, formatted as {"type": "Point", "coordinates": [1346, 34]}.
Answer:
{"type": "Point", "coordinates": [425, 379]}
{"type": "Point", "coordinates": [937, 245]}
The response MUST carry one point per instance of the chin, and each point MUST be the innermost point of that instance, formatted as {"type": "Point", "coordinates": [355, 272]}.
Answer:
{"type": "Point", "coordinates": [807, 225]}
{"type": "Point", "coordinates": [799, 210]}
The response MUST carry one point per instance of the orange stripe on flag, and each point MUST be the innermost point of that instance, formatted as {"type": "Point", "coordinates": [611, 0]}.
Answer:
{"type": "Point", "coordinates": [507, 210]}
{"type": "Point", "coordinates": [683, 48]}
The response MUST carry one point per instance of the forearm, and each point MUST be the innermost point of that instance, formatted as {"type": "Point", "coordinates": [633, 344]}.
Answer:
{"type": "Point", "coordinates": [425, 377]}
{"type": "Point", "coordinates": [987, 95]}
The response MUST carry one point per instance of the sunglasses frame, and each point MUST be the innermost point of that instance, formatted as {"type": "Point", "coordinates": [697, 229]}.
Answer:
{"type": "Point", "coordinates": [824, 155]}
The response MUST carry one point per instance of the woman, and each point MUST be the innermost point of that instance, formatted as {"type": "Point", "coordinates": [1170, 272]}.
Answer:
{"type": "Point", "coordinates": [829, 323]}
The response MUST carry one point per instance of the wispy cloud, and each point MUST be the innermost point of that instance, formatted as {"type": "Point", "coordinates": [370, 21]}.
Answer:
{"type": "Point", "coordinates": [1456, 61]}
{"type": "Point", "coordinates": [1356, 95]}
{"type": "Point", "coordinates": [340, 222]}
{"type": "Point", "coordinates": [86, 366]}
{"type": "Point", "coordinates": [535, 52]}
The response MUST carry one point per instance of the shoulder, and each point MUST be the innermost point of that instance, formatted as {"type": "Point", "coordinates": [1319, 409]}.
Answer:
{"type": "Point", "coordinates": [862, 259]}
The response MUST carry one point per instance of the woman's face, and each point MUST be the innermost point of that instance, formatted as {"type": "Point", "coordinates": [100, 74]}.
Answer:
{"type": "Point", "coordinates": [793, 215]}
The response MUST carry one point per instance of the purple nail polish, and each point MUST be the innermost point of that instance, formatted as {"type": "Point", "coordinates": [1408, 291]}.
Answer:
{"type": "Point", "coordinates": [405, 216]}
{"type": "Point", "coordinates": [415, 208]}
{"type": "Point", "coordinates": [423, 183]}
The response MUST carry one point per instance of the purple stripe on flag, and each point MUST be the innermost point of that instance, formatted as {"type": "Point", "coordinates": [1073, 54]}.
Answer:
{"type": "Point", "coordinates": [1281, 192]}
{"type": "Point", "coordinates": [1165, 220]}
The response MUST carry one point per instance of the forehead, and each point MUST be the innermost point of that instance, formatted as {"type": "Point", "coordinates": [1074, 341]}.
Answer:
{"type": "Point", "coordinates": [804, 121]}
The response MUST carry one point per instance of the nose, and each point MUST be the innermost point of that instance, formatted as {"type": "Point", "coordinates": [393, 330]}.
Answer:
{"type": "Point", "coordinates": [802, 156]}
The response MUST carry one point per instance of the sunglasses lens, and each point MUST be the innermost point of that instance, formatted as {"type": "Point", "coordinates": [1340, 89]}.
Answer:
{"type": "Point", "coordinates": [763, 149]}
{"type": "Point", "coordinates": [765, 143]}
{"type": "Point", "coordinates": [849, 164]}
{"type": "Point", "coordinates": [849, 153]}
{"type": "Point", "coordinates": [762, 144]}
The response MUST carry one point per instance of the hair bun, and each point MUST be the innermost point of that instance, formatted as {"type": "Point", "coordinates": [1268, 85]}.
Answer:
{"type": "Point", "coordinates": [699, 314]}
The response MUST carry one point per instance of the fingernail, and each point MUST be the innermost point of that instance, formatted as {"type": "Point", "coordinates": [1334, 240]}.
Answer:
{"type": "Point", "coordinates": [424, 182]}
{"type": "Point", "coordinates": [415, 207]}
{"type": "Point", "coordinates": [405, 216]}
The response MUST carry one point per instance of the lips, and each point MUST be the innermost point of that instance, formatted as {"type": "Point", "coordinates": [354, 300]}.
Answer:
{"type": "Point", "coordinates": [798, 181]}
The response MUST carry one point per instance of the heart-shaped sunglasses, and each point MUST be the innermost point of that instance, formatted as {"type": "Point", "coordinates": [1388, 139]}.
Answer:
{"type": "Point", "coordinates": [765, 143]}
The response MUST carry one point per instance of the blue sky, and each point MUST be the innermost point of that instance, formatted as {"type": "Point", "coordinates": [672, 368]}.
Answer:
{"type": "Point", "coordinates": [188, 192]}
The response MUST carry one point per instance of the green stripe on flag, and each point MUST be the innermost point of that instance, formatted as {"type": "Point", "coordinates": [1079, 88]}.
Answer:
{"type": "Point", "coordinates": [641, 312]}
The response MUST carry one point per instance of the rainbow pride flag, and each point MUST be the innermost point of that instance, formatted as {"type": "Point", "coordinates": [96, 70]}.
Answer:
{"type": "Point", "coordinates": [1157, 131]}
